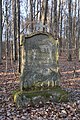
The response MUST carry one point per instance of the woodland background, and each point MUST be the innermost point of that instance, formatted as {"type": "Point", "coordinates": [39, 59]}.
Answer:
{"type": "Point", "coordinates": [58, 17]}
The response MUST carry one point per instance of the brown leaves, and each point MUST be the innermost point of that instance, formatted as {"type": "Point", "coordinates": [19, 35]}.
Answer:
{"type": "Point", "coordinates": [71, 110]}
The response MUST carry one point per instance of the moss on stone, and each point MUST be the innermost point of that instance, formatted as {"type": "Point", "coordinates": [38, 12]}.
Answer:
{"type": "Point", "coordinates": [40, 85]}
{"type": "Point", "coordinates": [55, 94]}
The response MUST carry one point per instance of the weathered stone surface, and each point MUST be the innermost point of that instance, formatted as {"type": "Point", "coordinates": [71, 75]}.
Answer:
{"type": "Point", "coordinates": [39, 98]}
{"type": "Point", "coordinates": [39, 69]}
{"type": "Point", "coordinates": [39, 61]}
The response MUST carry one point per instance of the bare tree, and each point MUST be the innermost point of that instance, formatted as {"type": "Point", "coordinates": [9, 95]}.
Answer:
{"type": "Point", "coordinates": [45, 13]}
{"type": "Point", "coordinates": [14, 30]}
{"type": "Point", "coordinates": [70, 30]}
{"type": "Point", "coordinates": [31, 14]}
{"type": "Point", "coordinates": [51, 19]}
{"type": "Point", "coordinates": [55, 19]}
{"type": "Point", "coordinates": [6, 33]}
{"type": "Point", "coordinates": [61, 26]}
{"type": "Point", "coordinates": [18, 33]}
{"type": "Point", "coordinates": [79, 26]}
{"type": "Point", "coordinates": [40, 10]}
{"type": "Point", "coordinates": [59, 13]}
{"type": "Point", "coordinates": [0, 31]}
{"type": "Point", "coordinates": [6, 8]}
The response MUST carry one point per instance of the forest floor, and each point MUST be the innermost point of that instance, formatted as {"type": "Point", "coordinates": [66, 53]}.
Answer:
{"type": "Point", "coordinates": [70, 80]}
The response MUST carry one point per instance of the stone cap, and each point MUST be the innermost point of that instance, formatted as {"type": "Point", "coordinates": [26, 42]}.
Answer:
{"type": "Point", "coordinates": [23, 36]}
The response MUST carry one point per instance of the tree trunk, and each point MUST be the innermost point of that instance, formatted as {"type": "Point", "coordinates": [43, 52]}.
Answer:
{"type": "Point", "coordinates": [37, 9]}
{"type": "Point", "coordinates": [79, 27]}
{"type": "Point", "coordinates": [31, 12]}
{"type": "Point", "coordinates": [6, 8]}
{"type": "Point", "coordinates": [18, 32]}
{"type": "Point", "coordinates": [26, 14]}
{"type": "Point", "coordinates": [51, 20]}
{"type": "Point", "coordinates": [70, 31]}
{"type": "Point", "coordinates": [61, 21]}
{"type": "Point", "coordinates": [14, 30]}
{"type": "Point", "coordinates": [40, 11]}
{"type": "Point", "coordinates": [45, 15]}
{"type": "Point", "coordinates": [59, 14]}
{"type": "Point", "coordinates": [6, 32]}
{"type": "Point", "coordinates": [34, 6]}
{"type": "Point", "coordinates": [55, 19]}
{"type": "Point", "coordinates": [0, 31]}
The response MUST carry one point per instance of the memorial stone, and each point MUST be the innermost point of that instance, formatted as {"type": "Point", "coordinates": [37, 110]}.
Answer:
{"type": "Point", "coordinates": [39, 61]}
{"type": "Point", "coordinates": [39, 71]}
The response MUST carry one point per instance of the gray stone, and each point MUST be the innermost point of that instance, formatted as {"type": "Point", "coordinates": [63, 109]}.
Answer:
{"type": "Point", "coordinates": [79, 107]}
{"type": "Point", "coordinates": [39, 61]}
{"type": "Point", "coordinates": [39, 67]}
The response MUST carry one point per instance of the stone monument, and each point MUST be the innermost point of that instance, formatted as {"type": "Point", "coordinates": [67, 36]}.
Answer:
{"type": "Point", "coordinates": [39, 71]}
{"type": "Point", "coordinates": [39, 61]}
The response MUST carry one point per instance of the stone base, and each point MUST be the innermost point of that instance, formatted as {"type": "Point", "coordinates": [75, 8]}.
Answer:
{"type": "Point", "coordinates": [56, 94]}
